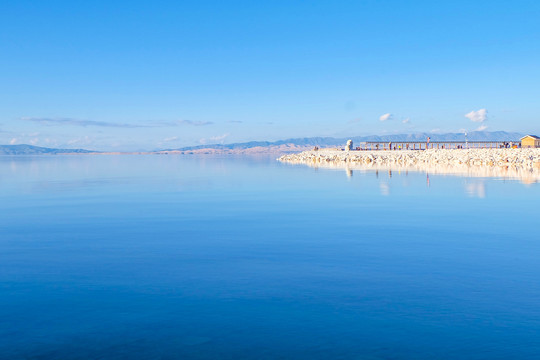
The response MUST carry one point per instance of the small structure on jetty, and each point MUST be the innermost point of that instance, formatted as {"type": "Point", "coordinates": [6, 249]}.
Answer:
{"type": "Point", "coordinates": [530, 141]}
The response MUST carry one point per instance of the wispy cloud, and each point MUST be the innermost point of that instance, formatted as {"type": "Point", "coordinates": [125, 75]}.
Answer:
{"type": "Point", "coordinates": [235, 121]}
{"type": "Point", "coordinates": [385, 117]}
{"type": "Point", "coordinates": [78, 122]}
{"type": "Point", "coordinates": [85, 123]}
{"type": "Point", "coordinates": [354, 121]}
{"type": "Point", "coordinates": [80, 141]}
{"type": "Point", "coordinates": [35, 133]}
{"type": "Point", "coordinates": [13, 141]}
{"type": "Point", "coordinates": [482, 127]}
{"type": "Point", "coordinates": [477, 116]}
{"type": "Point", "coordinates": [169, 139]}
{"type": "Point", "coordinates": [406, 121]}
{"type": "Point", "coordinates": [214, 139]}
{"type": "Point", "coordinates": [194, 123]}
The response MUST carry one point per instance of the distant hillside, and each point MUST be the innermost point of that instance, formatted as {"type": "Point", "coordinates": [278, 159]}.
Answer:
{"type": "Point", "coordinates": [298, 144]}
{"type": "Point", "coordinates": [37, 150]}
{"type": "Point", "coordinates": [472, 136]}
{"type": "Point", "coordinates": [280, 146]}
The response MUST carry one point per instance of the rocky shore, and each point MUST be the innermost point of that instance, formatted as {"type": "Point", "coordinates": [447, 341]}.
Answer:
{"type": "Point", "coordinates": [522, 164]}
{"type": "Point", "coordinates": [523, 158]}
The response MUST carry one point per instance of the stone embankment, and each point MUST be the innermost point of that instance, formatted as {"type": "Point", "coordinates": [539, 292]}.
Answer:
{"type": "Point", "coordinates": [519, 158]}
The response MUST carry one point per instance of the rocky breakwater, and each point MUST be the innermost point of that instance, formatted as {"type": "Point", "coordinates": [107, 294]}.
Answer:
{"type": "Point", "coordinates": [518, 158]}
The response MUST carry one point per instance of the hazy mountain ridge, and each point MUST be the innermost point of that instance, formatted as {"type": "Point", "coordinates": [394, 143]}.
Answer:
{"type": "Point", "coordinates": [280, 146]}
{"type": "Point", "coordinates": [295, 143]}
{"type": "Point", "coordinates": [38, 150]}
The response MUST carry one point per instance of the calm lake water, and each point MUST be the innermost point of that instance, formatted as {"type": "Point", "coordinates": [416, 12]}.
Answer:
{"type": "Point", "coordinates": [186, 257]}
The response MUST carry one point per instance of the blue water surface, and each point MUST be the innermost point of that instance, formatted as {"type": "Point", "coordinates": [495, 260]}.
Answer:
{"type": "Point", "coordinates": [204, 257]}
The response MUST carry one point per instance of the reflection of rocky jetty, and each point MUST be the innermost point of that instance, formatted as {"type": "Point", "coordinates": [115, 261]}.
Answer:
{"type": "Point", "coordinates": [522, 164]}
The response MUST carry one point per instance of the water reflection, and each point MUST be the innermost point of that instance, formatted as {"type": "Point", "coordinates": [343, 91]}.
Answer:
{"type": "Point", "coordinates": [476, 188]}
{"type": "Point", "coordinates": [385, 188]}
{"type": "Point", "coordinates": [524, 175]}
{"type": "Point", "coordinates": [122, 173]}
{"type": "Point", "coordinates": [149, 257]}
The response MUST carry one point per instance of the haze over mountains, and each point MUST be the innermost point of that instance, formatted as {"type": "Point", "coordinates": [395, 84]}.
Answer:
{"type": "Point", "coordinates": [24, 149]}
{"type": "Point", "coordinates": [287, 145]}
{"type": "Point", "coordinates": [299, 144]}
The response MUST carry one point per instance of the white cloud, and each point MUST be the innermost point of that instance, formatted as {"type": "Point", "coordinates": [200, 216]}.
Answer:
{"type": "Point", "coordinates": [385, 117]}
{"type": "Point", "coordinates": [13, 141]}
{"type": "Point", "coordinates": [214, 139]}
{"type": "Point", "coordinates": [80, 141]}
{"type": "Point", "coordinates": [406, 121]}
{"type": "Point", "coordinates": [219, 138]}
{"type": "Point", "coordinates": [169, 139]}
{"type": "Point", "coordinates": [477, 116]}
{"type": "Point", "coordinates": [482, 128]}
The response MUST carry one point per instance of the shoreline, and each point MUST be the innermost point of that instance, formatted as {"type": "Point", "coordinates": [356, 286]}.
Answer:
{"type": "Point", "coordinates": [523, 164]}
{"type": "Point", "coordinates": [528, 158]}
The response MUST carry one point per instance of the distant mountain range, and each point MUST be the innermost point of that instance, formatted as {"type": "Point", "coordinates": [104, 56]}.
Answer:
{"type": "Point", "coordinates": [280, 146]}
{"type": "Point", "coordinates": [298, 144]}
{"type": "Point", "coordinates": [37, 150]}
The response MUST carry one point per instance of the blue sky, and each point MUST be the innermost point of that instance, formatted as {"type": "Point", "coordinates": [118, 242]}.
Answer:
{"type": "Point", "coordinates": [134, 75]}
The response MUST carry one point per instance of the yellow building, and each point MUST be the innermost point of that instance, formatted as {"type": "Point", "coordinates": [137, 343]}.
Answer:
{"type": "Point", "coordinates": [530, 141]}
